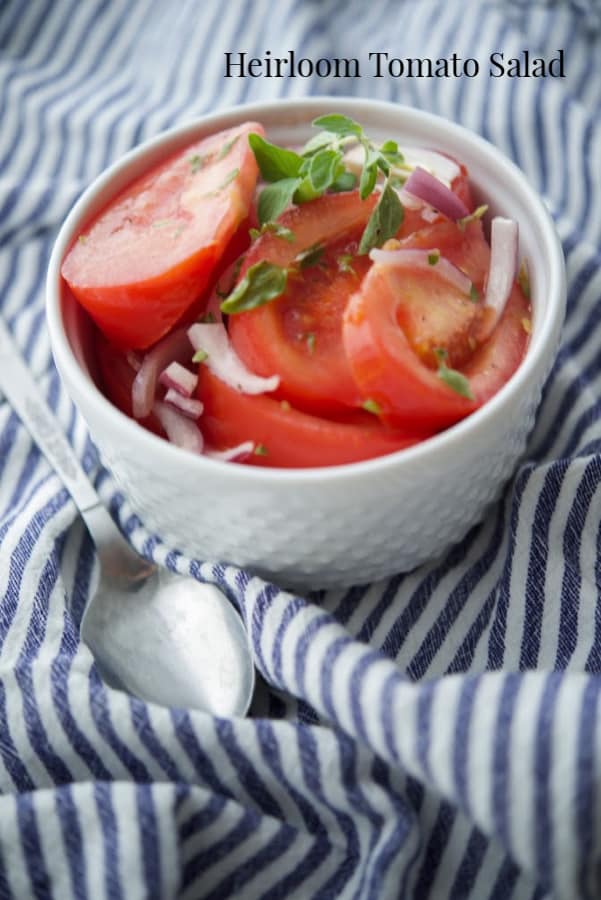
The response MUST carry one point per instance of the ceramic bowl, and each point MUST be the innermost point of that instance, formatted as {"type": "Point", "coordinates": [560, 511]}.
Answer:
{"type": "Point", "coordinates": [346, 524]}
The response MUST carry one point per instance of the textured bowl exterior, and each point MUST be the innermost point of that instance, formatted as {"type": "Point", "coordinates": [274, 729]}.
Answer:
{"type": "Point", "coordinates": [347, 524]}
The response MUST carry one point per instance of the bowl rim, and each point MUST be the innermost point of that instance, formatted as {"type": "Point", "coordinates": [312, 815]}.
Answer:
{"type": "Point", "coordinates": [447, 441]}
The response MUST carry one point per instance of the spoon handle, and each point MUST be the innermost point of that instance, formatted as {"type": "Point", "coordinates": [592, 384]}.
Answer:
{"type": "Point", "coordinates": [26, 398]}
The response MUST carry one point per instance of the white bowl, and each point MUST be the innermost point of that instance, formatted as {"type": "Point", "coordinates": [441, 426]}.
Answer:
{"type": "Point", "coordinates": [339, 525]}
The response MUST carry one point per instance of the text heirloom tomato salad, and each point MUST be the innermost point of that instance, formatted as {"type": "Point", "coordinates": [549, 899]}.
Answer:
{"type": "Point", "coordinates": [301, 307]}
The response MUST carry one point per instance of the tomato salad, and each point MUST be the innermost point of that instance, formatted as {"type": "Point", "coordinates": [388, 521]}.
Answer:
{"type": "Point", "coordinates": [295, 308]}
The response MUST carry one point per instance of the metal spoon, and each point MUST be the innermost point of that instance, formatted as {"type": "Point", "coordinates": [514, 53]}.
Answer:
{"type": "Point", "coordinates": [162, 637]}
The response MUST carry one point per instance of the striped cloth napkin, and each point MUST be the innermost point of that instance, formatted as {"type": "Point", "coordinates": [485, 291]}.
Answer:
{"type": "Point", "coordinates": [432, 736]}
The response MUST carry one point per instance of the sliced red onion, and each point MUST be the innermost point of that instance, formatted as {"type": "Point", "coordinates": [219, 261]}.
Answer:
{"type": "Point", "coordinates": [189, 406]}
{"type": "Point", "coordinates": [429, 214]}
{"type": "Point", "coordinates": [240, 452]}
{"type": "Point", "coordinates": [180, 430]}
{"type": "Point", "coordinates": [176, 377]}
{"type": "Point", "coordinates": [174, 346]}
{"type": "Point", "coordinates": [504, 235]}
{"type": "Point", "coordinates": [134, 359]}
{"type": "Point", "coordinates": [429, 189]}
{"type": "Point", "coordinates": [223, 361]}
{"type": "Point", "coordinates": [443, 167]}
{"type": "Point", "coordinates": [420, 259]}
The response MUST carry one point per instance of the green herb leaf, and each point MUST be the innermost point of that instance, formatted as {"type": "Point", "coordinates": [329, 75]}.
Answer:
{"type": "Point", "coordinates": [196, 163]}
{"type": "Point", "coordinates": [260, 450]}
{"type": "Point", "coordinates": [367, 182]}
{"type": "Point", "coordinates": [338, 124]}
{"type": "Point", "coordinates": [371, 406]}
{"type": "Point", "coordinates": [456, 381]}
{"type": "Point", "coordinates": [317, 142]}
{"type": "Point", "coordinates": [433, 257]}
{"type": "Point", "coordinates": [310, 257]}
{"type": "Point", "coordinates": [274, 199]}
{"type": "Point", "coordinates": [208, 318]}
{"type": "Point", "coordinates": [451, 377]}
{"type": "Point", "coordinates": [390, 150]}
{"type": "Point", "coordinates": [274, 162]}
{"type": "Point", "coordinates": [262, 282]}
{"type": "Point", "coordinates": [345, 182]}
{"type": "Point", "coordinates": [474, 295]}
{"type": "Point", "coordinates": [305, 191]}
{"type": "Point", "coordinates": [310, 338]}
{"type": "Point", "coordinates": [273, 228]}
{"type": "Point", "coordinates": [384, 222]}
{"type": "Point", "coordinates": [324, 169]}
{"type": "Point", "coordinates": [200, 356]}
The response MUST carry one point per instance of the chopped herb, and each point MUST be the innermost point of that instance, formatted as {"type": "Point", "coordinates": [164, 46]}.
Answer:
{"type": "Point", "coordinates": [285, 405]}
{"type": "Point", "coordinates": [310, 257]}
{"type": "Point", "coordinates": [260, 450]}
{"type": "Point", "coordinates": [524, 279]}
{"type": "Point", "coordinates": [227, 147]}
{"type": "Point", "coordinates": [196, 163]}
{"type": "Point", "coordinates": [477, 214]}
{"type": "Point", "coordinates": [384, 222]}
{"type": "Point", "coordinates": [228, 179]}
{"type": "Point", "coordinates": [371, 406]}
{"type": "Point", "coordinates": [527, 325]}
{"type": "Point", "coordinates": [474, 293]}
{"type": "Point", "coordinates": [162, 223]}
{"type": "Point", "coordinates": [433, 257]}
{"type": "Point", "coordinates": [82, 238]}
{"type": "Point", "coordinates": [207, 319]}
{"type": "Point", "coordinates": [345, 263]}
{"type": "Point", "coordinates": [223, 293]}
{"type": "Point", "coordinates": [451, 377]}
{"type": "Point", "coordinates": [273, 228]}
{"type": "Point", "coordinates": [310, 338]}
{"type": "Point", "coordinates": [262, 283]}
{"type": "Point", "coordinates": [200, 356]}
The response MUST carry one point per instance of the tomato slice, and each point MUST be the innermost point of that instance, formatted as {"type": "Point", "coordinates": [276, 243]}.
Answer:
{"type": "Point", "coordinates": [298, 335]}
{"type": "Point", "coordinates": [149, 254]}
{"type": "Point", "coordinates": [400, 315]}
{"type": "Point", "coordinates": [289, 437]}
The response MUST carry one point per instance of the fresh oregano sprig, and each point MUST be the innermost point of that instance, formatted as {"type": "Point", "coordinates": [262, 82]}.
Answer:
{"type": "Point", "coordinates": [319, 167]}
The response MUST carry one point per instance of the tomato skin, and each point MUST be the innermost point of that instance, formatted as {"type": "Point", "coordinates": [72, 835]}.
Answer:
{"type": "Point", "coordinates": [292, 439]}
{"type": "Point", "coordinates": [149, 255]}
{"type": "Point", "coordinates": [386, 368]}
{"type": "Point", "coordinates": [395, 373]}
{"type": "Point", "coordinates": [298, 335]}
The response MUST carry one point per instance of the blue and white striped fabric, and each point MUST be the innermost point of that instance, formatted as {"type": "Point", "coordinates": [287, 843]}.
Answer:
{"type": "Point", "coordinates": [434, 736]}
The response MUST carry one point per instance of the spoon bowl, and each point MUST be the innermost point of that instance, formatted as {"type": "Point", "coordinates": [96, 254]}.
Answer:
{"type": "Point", "coordinates": [164, 637]}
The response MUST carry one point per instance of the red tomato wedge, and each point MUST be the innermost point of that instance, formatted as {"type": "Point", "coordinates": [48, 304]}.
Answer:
{"type": "Point", "coordinates": [289, 438]}
{"type": "Point", "coordinates": [400, 315]}
{"type": "Point", "coordinates": [151, 253]}
{"type": "Point", "coordinates": [298, 336]}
